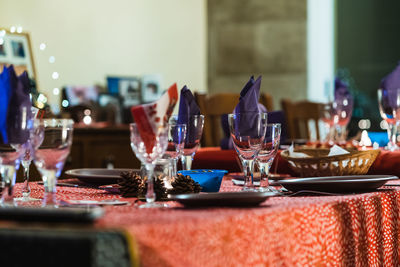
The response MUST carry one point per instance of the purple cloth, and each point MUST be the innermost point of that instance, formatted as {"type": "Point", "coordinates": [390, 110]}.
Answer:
{"type": "Point", "coordinates": [390, 86]}
{"type": "Point", "coordinates": [187, 108]}
{"type": "Point", "coordinates": [14, 94]}
{"type": "Point", "coordinates": [343, 98]}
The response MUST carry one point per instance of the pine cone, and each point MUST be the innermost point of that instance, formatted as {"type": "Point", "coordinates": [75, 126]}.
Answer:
{"type": "Point", "coordinates": [184, 185]}
{"type": "Point", "coordinates": [131, 184]}
{"type": "Point", "coordinates": [159, 188]}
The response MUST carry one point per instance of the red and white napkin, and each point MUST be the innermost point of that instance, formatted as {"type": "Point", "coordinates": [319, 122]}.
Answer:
{"type": "Point", "coordinates": [149, 118]}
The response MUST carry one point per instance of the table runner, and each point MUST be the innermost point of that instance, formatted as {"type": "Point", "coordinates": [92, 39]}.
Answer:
{"type": "Point", "coordinates": [347, 230]}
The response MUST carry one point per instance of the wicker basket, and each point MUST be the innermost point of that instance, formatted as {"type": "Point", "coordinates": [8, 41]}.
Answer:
{"type": "Point", "coordinates": [320, 164]}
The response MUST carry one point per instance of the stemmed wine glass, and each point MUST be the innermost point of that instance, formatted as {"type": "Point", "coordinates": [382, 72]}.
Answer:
{"type": "Point", "coordinates": [194, 130]}
{"type": "Point", "coordinates": [29, 147]}
{"type": "Point", "coordinates": [327, 115]}
{"type": "Point", "coordinates": [176, 143]}
{"type": "Point", "coordinates": [248, 132]}
{"type": "Point", "coordinates": [267, 153]}
{"type": "Point", "coordinates": [343, 109]}
{"type": "Point", "coordinates": [10, 153]}
{"type": "Point", "coordinates": [50, 156]}
{"type": "Point", "coordinates": [389, 107]}
{"type": "Point", "coordinates": [148, 153]}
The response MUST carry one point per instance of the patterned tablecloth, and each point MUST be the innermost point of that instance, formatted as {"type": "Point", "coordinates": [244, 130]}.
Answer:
{"type": "Point", "coordinates": [346, 230]}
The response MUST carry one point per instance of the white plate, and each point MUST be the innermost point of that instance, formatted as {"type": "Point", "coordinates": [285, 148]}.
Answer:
{"type": "Point", "coordinates": [351, 183]}
{"type": "Point", "coordinates": [98, 176]}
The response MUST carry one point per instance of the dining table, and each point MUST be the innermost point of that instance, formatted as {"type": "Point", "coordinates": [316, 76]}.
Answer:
{"type": "Point", "coordinates": [344, 229]}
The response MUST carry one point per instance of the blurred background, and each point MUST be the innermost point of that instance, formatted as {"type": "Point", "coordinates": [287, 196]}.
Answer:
{"type": "Point", "coordinates": [129, 51]}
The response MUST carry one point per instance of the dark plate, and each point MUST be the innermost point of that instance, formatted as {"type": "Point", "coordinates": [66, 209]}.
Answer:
{"type": "Point", "coordinates": [230, 199]}
{"type": "Point", "coordinates": [336, 184]}
{"type": "Point", "coordinates": [98, 176]}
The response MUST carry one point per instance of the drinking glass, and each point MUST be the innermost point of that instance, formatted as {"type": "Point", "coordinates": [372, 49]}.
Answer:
{"type": "Point", "coordinates": [343, 109]}
{"type": "Point", "coordinates": [10, 154]}
{"type": "Point", "coordinates": [50, 156]}
{"type": "Point", "coordinates": [176, 143]}
{"type": "Point", "coordinates": [267, 153]}
{"type": "Point", "coordinates": [247, 132]}
{"type": "Point", "coordinates": [148, 153]}
{"type": "Point", "coordinates": [327, 115]}
{"type": "Point", "coordinates": [389, 108]}
{"type": "Point", "coordinates": [29, 147]}
{"type": "Point", "coordinates": [194, 130]}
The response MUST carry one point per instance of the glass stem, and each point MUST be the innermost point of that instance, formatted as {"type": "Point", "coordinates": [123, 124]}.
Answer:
{"type": "Point", "coordinates": [248, 166]}
{"type": "Point", "coordinates": [50, 181]}
{"type": "Point", "coordinates": [392, 135]}
{"type": "Point", "coordinates": [187, 162]}
{"type": "Point", "coordinates": [174, 163]}
{"type": "Point", "coordinates": [26, 190]}
{"type": "Point", "coordinates": [264, 168]}
{"type": "Point", "coordinates": [8, 172]}
{"type": "Point", "coordinates": [150, 194]}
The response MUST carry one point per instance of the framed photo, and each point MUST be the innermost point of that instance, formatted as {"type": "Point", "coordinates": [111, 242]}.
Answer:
{"type": "Point", "coordinates": [15, 48]}
{"type": "Point", "coordinates": [151, 87]}
{"type": "Point", "coordinates": [127, 88]}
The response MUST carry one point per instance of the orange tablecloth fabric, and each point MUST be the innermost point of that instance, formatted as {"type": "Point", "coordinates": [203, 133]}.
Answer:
{"type": "Point", "coordinates": [349, 230]}
{"type": "Point", "coordinates": [387, 162]}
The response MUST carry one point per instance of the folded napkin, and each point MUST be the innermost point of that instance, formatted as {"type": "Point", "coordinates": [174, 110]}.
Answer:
{"type": "Point", "coordinates": [334, 151]}
{"type": "Point", "coordinates": [15, 106]}
{"type": "Point", "coordinates": [390, 84]}
{"type": "Point", "coordinates": [149, 117]}
{"type": "Point", "coordinates": [342, 93]}
{"type": "Point", "coordinates": [188, 107]}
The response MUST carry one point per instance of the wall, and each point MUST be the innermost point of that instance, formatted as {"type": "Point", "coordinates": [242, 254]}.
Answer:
{"type": "Point", "coordinates": [91, 39]}
{"type": "Point", "coordinates": [266, 37]}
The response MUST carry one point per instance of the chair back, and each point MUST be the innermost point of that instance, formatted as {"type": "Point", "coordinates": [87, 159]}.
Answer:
{"type": "Point", "coordinates": [214, 106]}
{"type": "Point", "coordinates": [300, 116]}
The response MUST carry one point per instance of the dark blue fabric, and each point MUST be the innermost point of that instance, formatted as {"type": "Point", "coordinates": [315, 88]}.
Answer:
{"type": "Point", "coordinates": [188, 107]}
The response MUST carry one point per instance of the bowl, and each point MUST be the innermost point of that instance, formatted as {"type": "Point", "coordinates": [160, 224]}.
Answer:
{"type": "Point", "coordinates": [209, 180]}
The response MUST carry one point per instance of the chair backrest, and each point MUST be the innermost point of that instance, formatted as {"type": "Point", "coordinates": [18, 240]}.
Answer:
{"type": "Point", "coordinates": [213, 106]}
{"type": "Point", "coordinates": [299, 116]}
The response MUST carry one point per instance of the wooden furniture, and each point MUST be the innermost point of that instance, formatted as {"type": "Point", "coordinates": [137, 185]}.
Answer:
{"type": "Point", "coordinates": [213, 106]}
{"type": "Point", "coordinates": [96, 147]}
{"type": "Point", "coordinates": [299, 116]}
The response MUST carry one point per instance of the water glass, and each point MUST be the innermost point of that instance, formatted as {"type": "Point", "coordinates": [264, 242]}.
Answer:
{"type": "Point", "coordinates": [248, 132]}
{"type": "Point", "coordinates": [50, 156]}
{"type": "Point", "coordinates": [194, 131]}
{"type": "Point", "coordinates": [148, 148]}
{"type": "Point", "coordinates": [327, 116]}
{"type": "Point", "coordinates": [389, 105]}
{"type": "Point", "coordinates": [343, 109]}
{"type": "Point", "coordinates": [267, 153]}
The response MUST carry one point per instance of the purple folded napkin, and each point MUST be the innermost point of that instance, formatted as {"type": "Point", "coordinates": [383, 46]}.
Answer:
{"type": "Point", "coordinates": [188, 107]}
{"type": "Point", "coordinates": [343, 97]}
{"type": "Point", "coordinates": [390, 85]}
{"type": "Point", "coordinates": [15, 110]}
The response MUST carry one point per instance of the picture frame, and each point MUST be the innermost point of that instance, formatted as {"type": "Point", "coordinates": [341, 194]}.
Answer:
{"type": "Point", "coordinates": [127, 88]}
{"type": "Point", "coordinates": [16, 49]}
{"type": "Point", "coordinates": [151, 89]}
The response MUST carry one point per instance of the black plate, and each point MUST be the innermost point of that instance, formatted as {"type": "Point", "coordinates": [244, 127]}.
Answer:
{"type": "Point", "coordinates": [336, 184]}
{"type": "Point", "coordinates": [98, 176]}
{"type": "Point", "coordinates": [232, 199]}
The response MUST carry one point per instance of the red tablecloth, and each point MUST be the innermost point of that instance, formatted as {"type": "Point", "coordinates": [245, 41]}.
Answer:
{"type": "Point", "coordinates": [214, 158]}
{"type": "Point", "coordinates": [350, 230]}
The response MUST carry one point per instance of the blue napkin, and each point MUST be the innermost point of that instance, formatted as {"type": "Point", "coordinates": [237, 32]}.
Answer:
{"type": "Point", "coordinates": [188, 107]}
{"type": "Point", "coordinates": [15, 106]}
{"type": "Point", "coordinates": [389, 85]}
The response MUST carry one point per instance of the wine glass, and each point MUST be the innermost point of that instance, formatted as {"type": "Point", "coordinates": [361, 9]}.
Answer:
{"type": "Point", "coordinates": [176, 143]}
{"type": "Point", "coordinates": [29, 147]}
{"type": "Point", "coordinates": [247, 132]}
{"type": "Point", "coordinates": [343, 109]}
{"type": "Point", "coordinates": [389, 105]}
{"type": "Point", "coordinates": [267, 153]}
{"type": "Point", "coordinates": [194, 130]}
{"type": "Point", "coordinates": [50, 156]}
{"type": "Point", "coordinates": [19, 125]}
{"type": "Point", "coordinates": [149, 151]}
{"type": "Point", "coordinates": [327, 116]}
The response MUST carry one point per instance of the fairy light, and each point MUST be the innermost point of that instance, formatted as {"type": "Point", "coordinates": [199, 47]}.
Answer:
{"type": "Point", "coordinates": [19, 29]}
{"type": "Point", "coordinates": [42, 98]}
{"type": "Point", "coordinates": [42, 46]}
{"type": "Point", "coordinates": [52, 59]}
{"type": "Point", "coordinates": [65, 103]}
{"type": "Point", "coordinates": [56, 91]}
{"type": "Point", "coordinates": [13, 29]}
{"type": "Point", "coordinates": [87, 119]}
{"type": "Point", "coordinates": [55, 75]}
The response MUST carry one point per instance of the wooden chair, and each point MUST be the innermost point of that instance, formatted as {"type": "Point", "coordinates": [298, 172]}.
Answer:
{"type": "Point", "coordinates": [213, 106]}
{"type": "Point", "coordinates": [299, 116]}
